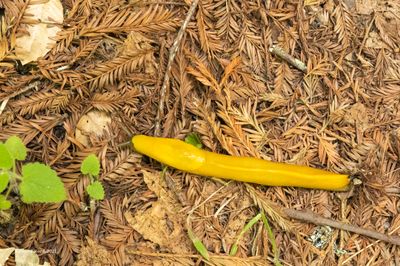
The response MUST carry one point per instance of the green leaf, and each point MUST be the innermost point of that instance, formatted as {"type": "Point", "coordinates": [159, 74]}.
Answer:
{"type": "Point", "coordinates": [234, 249]}
{"type": "Point", "coordinates": [6, 161]}
{"type": "Point", "coordinates": [194, 139]}
{"type": "Point", "coordinates": [271, 237]}
{"type": "Point", "coordinates": [4, 203]}
{"type": "Point", "coordinates": [4, 178]}
{"type": "Point", "coordinates": [96, 190]}
{"type": "Point", "coordinates": [41, 184]}
{"type": "Point", "coordinates": [246, 228]}
{"type": "Point", "coordinates": [16, 148]}
{"type": "Point", "coordinates": [91, 165]}
{"type": "Point", "coordinates": [198, 245]}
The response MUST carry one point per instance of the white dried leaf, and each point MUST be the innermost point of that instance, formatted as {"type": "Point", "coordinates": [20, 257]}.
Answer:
{"type": "Point", "coordinates": [93, 123]}
{"type": "Point", "coordinates": [25, 257]}
{"type": "Point", "coordinates": [41, 35]}
{"type": "Point", "coordinates": [4, 254]}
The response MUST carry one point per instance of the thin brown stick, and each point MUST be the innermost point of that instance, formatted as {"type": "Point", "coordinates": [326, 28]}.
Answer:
{"type": "Point", "coordinates": [311, 217]}
{"type": "Point", "coordinates": [27, 88]}
{"type": "Point", "coordinates": [5, 100]}
{"type": "Point", "coordinates": [172, 54]}
{"type": "Point", "coordinates": [278, 51]}
{"type": "Point", "coordinates": [370, 245]}
{"type": "Point", "coordinates": [366, 36]}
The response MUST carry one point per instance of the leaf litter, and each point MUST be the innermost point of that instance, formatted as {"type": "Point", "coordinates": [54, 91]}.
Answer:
{"type": "Point", "coordinates": [239, 98]}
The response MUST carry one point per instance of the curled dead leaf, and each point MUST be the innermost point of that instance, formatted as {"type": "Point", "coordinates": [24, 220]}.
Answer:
{"type": "Point", "coordinates": [93, 123]}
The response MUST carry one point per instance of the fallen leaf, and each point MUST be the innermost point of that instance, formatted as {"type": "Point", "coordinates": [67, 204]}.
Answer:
{"type": "Point", "coordinates": [366, 7]}
{"type": "Point", "coordinates": [161, 224]}
{"type": "Point", "coordinates": [357, 114]}
{"type": "Point", "coordinates": [375, 41]}
{"type": "Point", "coordinates": [93, 254]}
{"type": "Point", "coordinates": [42, 30]}
{"type": "Point", "coordinates": [4, 254]}
{"type": "Point", "coordinates": [25, 257]}
{"type": "Point", "coordinates": [93, 123]}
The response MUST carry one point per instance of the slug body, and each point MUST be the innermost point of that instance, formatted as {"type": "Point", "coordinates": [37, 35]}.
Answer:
{"type": "Point", "coordinates": [188, 158]}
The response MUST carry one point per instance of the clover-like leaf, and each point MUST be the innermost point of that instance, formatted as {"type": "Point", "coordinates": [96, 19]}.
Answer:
{"type": "Point", "coordinates": [6, 161]}
{"type": "Point", "coordinates": [4, 178]}
{"type": "Point", "coordinates": [91, 165]}
{"type": "Point", "coordinates": [96, 190]}
{"type": "Point", "coordinates": [16, 148]}
{"type": "Point", "coordinates": [4, 203]}
{"type": "Point", "coordinates": [41, 184]}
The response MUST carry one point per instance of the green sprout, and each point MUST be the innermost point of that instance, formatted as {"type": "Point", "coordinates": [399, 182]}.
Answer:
{"type": "Point", "coordinates": [37, 182]}
{"type": "Point", "coordinates": [194, 139]}
{"type": "Point", "coordinates": [91, 167]}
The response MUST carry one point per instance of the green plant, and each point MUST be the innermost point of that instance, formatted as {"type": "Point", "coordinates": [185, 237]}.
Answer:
{"type": "Point", "coordinates": [271, 237]}
{"type": "Point", "coordinates": [91, 167]}
{"type": "Point", "coordinates": [246, 228]}
{"type": "Point", "coordinates": [37, 182]}
{"type": "Point", "coordinates": [194, 139]}
{"type": "Point", "coordinates": [199, 246]}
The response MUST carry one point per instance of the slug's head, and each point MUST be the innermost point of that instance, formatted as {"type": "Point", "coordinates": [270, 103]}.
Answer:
{"type": "Point", "coordinates": [172, 152]}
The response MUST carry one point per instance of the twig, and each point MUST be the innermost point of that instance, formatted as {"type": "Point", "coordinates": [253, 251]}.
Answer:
{"type": "Point", "coordinates": [16, 93]}
{"type": "Point", "coordinates": [172, 54]}
{"type": "Point", "coordinates": [319, 220]}
{"type": "Point", "coordinates": [27, 88]}
{"type": "Point", "coordinates": [366, 36]}
{"type": "Point", "coordinates": [278, 51]}
{"type": "Point", "coordinates": [370, 245]}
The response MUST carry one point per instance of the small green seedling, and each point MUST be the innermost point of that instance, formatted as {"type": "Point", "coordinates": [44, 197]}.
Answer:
{"type": "Point", "coordinates": [246, 228]}
{"type": "Point", "coordinates": [37, 182]}
{"type": "Point", "coordinates": [199, 246]}
{"type": "Point", "coordinates": [194, 139]}
{"type": "Point", "coordinates": [271, 237]}
{"type": "Point", "coordinates": [91, 166]}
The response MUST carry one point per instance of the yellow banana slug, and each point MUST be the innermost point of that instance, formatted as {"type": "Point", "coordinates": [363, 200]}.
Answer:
{"type": "Point", "coordinates": [186, 157]}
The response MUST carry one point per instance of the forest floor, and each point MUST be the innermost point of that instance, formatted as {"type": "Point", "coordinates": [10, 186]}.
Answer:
{"type": "Point", "coordinates": [226, 83]}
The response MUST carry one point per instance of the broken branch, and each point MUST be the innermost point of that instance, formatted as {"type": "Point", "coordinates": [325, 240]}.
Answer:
{"type": "Point", "coordinates": [172, 54]}
{"type": "Point", "coordinates": [278, 51]}
{"type": "Point", "coordinates": [311, 217]}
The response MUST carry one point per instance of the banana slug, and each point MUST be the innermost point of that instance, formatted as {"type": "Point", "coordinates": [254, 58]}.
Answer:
{"type": "Point", "coordinates": [186, 157]}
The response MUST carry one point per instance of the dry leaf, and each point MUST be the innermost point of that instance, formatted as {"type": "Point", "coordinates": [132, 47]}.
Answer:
{"type": "Point", "coordinates": [366, 7]}
{"type": "Point", "coordinates": [93, 254]}
{"type": "Point", "coordinates": [375, 41]}
{"type": "Point", "coordinates": [161, 224]}
{"type": "Point", "coordinates": [93, 123]}
{"type": "Point", "coordinates": [357, 112]}
{"type": "Point", "coordinates": [23, 257]}
{"type": "Point", "coordinates": [4, 254]}
{"type": "Point", "coordinates": [42, 28]}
